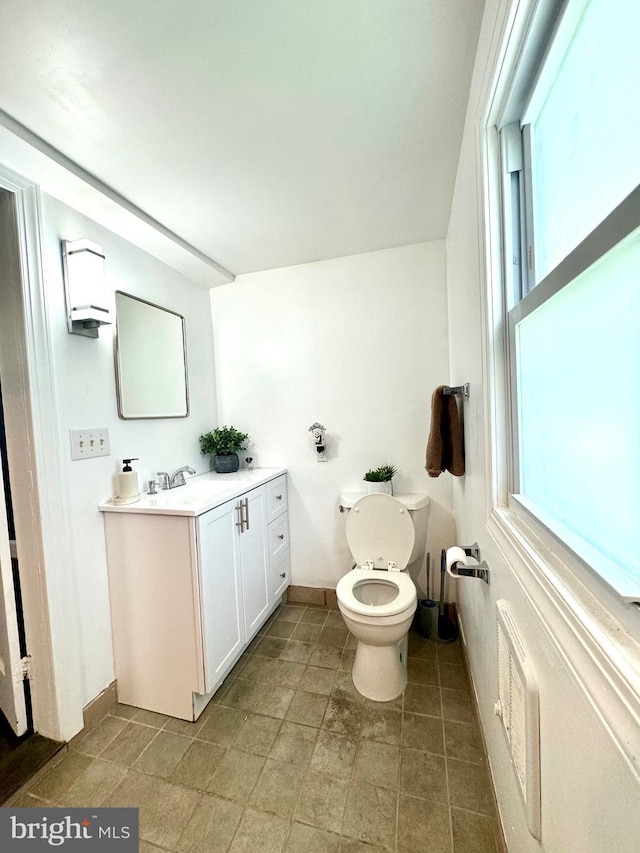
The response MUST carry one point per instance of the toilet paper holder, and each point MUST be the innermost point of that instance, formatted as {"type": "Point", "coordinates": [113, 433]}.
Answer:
{"type": "Point", "coordinates": [480, 571]}
{"type": "Point", "coordinates": [461, 569]}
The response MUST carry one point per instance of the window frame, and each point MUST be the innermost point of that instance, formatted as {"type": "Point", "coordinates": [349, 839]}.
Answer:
{"type": "Point", "coordinates": [545, 42]}
{"type": "Point", "coordinates": [594, 634]}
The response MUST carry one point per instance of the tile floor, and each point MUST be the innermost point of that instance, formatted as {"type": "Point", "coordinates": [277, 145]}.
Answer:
{"type": "Point", "coordinates": [289, 757]}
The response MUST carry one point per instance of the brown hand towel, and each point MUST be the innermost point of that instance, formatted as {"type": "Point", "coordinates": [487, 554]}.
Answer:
{"type": "Point", "coordinates": [444, 447]}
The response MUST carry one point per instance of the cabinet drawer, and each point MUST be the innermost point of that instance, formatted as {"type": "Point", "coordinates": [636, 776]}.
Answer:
{"type": "Point", "coordinates": [278, 537]}
{"type": "Point", "coordinates": [279, 575]}
{"type": "Point", "coordinates": [276, 497]}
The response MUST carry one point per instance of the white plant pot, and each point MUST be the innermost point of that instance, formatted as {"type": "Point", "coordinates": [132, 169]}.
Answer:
{"type": "Point", "coordinates": [385, 488]}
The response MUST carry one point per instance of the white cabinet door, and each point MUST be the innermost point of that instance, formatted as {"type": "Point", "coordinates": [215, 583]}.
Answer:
{"type": "Point", "coordinates": [221, 590]}
{"type": "Point", "coordinates": [254, 560]}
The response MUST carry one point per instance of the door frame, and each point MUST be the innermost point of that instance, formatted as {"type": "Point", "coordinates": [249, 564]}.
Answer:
{"type": "Point", "coordinates": [41, 501]}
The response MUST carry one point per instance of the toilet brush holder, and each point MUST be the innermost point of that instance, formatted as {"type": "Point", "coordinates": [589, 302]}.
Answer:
{"type": "Point", "coordinates": [427, 618]}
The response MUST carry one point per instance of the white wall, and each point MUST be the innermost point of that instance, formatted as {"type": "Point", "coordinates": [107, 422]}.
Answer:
{"type": "Point", "coordinates": [590, 792]}
{"type": "Point", "coordinates": [85, 392]}
{"type": "Point", "coordinates": [358, 344]}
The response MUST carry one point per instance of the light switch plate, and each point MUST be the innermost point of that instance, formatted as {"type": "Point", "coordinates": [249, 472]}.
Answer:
{"type": "Point", "coordinates": [87, 443]}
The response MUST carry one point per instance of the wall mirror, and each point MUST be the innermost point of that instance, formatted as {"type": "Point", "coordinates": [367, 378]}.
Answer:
{"type": "Point", "coordinates": [150, 359]}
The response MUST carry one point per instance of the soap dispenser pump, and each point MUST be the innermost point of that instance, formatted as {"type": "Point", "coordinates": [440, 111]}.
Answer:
{"type": "Point", "coordinates": [128, 480]}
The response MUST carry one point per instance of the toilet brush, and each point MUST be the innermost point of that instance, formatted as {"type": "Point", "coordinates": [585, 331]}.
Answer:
{"type": "Point", "coordinates": [427, 610]}
{"type": "Point", "coordinates": [447, 630]}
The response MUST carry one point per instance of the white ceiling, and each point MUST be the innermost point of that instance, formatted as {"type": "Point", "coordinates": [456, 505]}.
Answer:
{"type": "Point", "coordinates": [263, 132]}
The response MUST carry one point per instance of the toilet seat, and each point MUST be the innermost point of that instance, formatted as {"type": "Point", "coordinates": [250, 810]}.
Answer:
{"type": "Point", "coordinates": [347, 589]}
{"type": "Point", "coordinates": [380, 532]}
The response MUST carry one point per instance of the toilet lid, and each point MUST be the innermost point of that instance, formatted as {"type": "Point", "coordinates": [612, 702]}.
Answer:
{"type": "Point", "coordinates": [379, 528]}
{"type": "Point", "coordinates": [360, 587]}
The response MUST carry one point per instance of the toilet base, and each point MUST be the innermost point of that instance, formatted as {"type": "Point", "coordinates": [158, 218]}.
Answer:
{"type": "Point", "coordinates": [380, 672]}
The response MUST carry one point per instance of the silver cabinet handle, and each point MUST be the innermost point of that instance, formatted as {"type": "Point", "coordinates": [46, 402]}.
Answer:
{"type": "Point", "coordinates": [243, 515]}
{"type": "Point", "coordinates": [283, 574]}
{"type": "Point", "coordinates": [280, 535]}
{"type": "Point", "coordinates": [278, 497]}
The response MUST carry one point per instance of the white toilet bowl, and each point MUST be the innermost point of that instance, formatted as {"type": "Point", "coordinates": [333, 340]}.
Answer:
{"type": "Point", "coordinates": [378, 600]}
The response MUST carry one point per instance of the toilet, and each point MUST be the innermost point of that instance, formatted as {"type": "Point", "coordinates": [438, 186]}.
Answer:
{"type": "Point", "coordinates": [377, 599]}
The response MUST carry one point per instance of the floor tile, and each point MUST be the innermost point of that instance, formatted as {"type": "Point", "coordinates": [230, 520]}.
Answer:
{"type": "Point", "coordinates": [150, 718]}
{"type": "Point", "coordinates": [322, 800]}
{"type": "Point", "coordinates": [423, 775]}
{"type": "Point", "coordinates": [314, 616]}
{"type": "Point", "coordinates": [127, 746]}
{"type": "Point", "coordinates": [211, 827]}
{"type": "Point", "coordinates": [378, 764]}
{"type": "Point", "coordinates": [326, 656]}
{"type": "Point", "coordinates": [257, 734]}
{"type": "Point", "coordinates": [423, 732]}
{"type": "Point", "coordinates": [423, 671]}
{"type": "Point", "coordinates": [281, 629]}
{"type": "Point", "coordinates": [307, 708]}
{"type": "Point", "coordinates": [370, 814]}
{"type": "Point", "coordinates": [278, 787]}
{"type": "Point", "coordinates": [468, 786]}
{"type": "Point", "coordinates": [462, 741]}
{"type": "Point", "coordinates": [165, 809]}
{"type": "Point", "coordinates": [57, 781]}
{"type": "Point", "coordinates": [306, 632]}
{"type": "Point", "coordinates": [381, 725]}
{"type": "Point", "coordinates": [317, 679]}
{"type": "Point", "coordinates": [286, 673]}
{"type": "Point", "coordinates": [456, 705]}
{"type": "Point", "coordinates": [101, 736]}
{"type": "Point", "coordinates": [472, 833]}
{"type": "Point", "coordinates": [453, 676]}
{"type": "Point", "coordinates": [222, 725]}
{"type": "Point", "coordinates": [294, 743]}
{"type": "Point", "coordinates": [352, 845]}
{"type": "Point", "coordinates": [162, 755]}
{"type": "Point", "coordinates": [423, 825]}
{"type": "Point", "coordinates": [197, 766]}
{"type": "Point", "coordinates": [236, 775]}
{"type": "Point", "coordinates": [273, 701]}
{"type": "Point", "coordinates": [94, 784]}
{"type": "Point", "coordinates": [309, 839]}
{"type": "Point", "coordinates": [270, 647]}
{"type": "Point", "coordinates": [259, 831]}
{"type": "Point", "coordinates": [334, 637]}
{"type": "Point", "coordinates": [334, 754]}
{"type": "Point", "coordinates": [290, 613]}
{"type": "Point", "coordinates": [297, 651]}
{"type": "Point", "coordinates": [423, 699]}
{"type": "Point", "coordinates": [344, 717]}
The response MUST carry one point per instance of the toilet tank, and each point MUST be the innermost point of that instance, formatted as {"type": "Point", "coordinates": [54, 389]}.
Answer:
{"type": "Point", "coordinates": [418, 506]}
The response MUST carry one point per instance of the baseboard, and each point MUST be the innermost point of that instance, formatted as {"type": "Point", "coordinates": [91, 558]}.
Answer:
{"type": "Point", "coordinates": [497, 823]}
{"type": "Point", "coordinates": [312, 596]}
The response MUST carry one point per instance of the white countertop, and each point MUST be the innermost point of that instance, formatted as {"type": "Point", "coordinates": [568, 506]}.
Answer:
{"type": "Point", "coordinates": [200, 494]}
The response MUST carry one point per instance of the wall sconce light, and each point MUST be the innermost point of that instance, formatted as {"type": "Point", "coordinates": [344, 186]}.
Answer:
{"type": "Point", "coordinates": [86, 297]}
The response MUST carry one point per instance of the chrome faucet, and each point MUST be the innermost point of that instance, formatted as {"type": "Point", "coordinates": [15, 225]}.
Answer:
{"type": "Point", "coordinates": [177, 478]}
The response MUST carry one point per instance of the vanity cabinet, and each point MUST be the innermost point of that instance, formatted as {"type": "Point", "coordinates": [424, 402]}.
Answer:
{"type": "Point", "coordinates": [189, 593]}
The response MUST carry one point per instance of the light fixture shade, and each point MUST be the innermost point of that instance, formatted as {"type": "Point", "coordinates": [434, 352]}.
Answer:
{"type": "Point", "coordinates": [88, 303]}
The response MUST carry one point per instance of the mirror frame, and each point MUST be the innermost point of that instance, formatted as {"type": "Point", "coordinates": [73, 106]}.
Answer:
{"type": "Point", "coordinates": [118, 367]}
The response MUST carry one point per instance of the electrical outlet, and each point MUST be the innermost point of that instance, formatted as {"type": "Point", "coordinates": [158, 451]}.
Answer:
{"type": "Point", "coordinates": [87, 443]}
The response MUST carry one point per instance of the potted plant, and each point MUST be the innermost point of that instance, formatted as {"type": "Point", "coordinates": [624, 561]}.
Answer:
{"type": "Point", "coordinates": [379, 479]}
{"type": "Point", "coordinates": [222, 445]}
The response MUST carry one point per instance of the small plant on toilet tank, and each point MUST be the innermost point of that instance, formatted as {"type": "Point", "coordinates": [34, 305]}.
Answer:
{"type": "Point", "coordinates": [222, 446]}
{"type": "Point", "coordinates": [380, 479]}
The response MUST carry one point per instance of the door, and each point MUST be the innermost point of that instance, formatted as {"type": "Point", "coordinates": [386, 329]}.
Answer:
{"type": "Point", "coordinates": [220, 590]}
{"type": "Point", "coordinates": [254, 557]}
{"type": "Point", "coordinates": [12, 690]}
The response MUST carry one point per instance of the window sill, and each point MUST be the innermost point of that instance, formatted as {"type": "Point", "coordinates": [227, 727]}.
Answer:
{"type": "Point", "coordinates": [593, 632]}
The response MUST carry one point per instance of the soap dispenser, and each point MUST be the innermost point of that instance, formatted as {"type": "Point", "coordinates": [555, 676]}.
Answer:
{"type": "Point", "coordinates": [128, 480]}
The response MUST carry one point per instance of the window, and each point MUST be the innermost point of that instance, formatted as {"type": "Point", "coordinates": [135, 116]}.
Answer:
{"type": "Point", "coordinates": [570, 141]}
